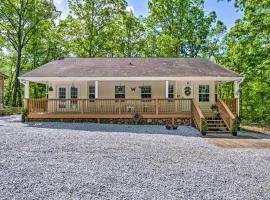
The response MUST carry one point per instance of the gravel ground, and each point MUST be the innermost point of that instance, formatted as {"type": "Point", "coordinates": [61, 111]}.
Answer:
{"type": "Point", "coordinates": [94, 161]}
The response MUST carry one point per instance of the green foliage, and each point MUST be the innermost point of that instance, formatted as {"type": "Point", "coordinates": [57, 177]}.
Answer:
{"type": "Point", "coordinates": [19, 22]}
{"type": "Point", "coordinates": [25, 113]}
{"type": "Point", "coordinates": [87, 26]}
{"type": "Point", "coordinates": [236, 124]}
{"type": "Point", "coordinates": [10, 111]}
{"type": "Point", "coordinates": [247, 48]}
{"type": "Point", "coordinates": [180, 28]}
{"type": "Point", "coordinates": [204, 126]}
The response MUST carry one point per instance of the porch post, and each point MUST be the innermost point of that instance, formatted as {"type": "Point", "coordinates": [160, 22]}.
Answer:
{"type": "Point", "coordinates": [26, 94]}
{"type": "Point", "coordinates": [96, 89]}
{"type": "Point", "coordinates": [167, 89]}
{"type": "Point", "coordinates": [26, 90]}
{"type": "Point", "coordinates": [237, 95]}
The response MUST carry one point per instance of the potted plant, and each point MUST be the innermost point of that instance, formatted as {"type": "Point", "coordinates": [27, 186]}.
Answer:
{"type": "Point", "coordinates": [236, 125]}
{"type": "Point", "coordinates": [174, 126]}
{"type": "Point", "coordinates": [168, 126]}
{"type": "Point", "coordinates": [214, 107]}
{"type": "Point", "coordinates": [25, 113]}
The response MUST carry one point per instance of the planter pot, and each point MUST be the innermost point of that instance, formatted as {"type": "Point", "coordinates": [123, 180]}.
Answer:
{"type": "Point", "coordinates": [234, 133]}
{"type": "Point", "coordinates": [168, 127]}
{"type": "Point", "coordinates": [23, 118]}
{"type": "Point", "coordinates": [203, 133]}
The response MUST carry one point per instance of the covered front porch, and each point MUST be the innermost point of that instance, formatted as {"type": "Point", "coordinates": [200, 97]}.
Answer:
{"type": "Point", "coordinates": [151, 101]}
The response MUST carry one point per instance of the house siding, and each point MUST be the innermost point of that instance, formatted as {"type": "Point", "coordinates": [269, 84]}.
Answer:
{"type": "Point", "coordinates": [106, 89]}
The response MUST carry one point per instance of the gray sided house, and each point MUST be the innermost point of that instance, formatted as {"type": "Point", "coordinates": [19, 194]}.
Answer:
{"type": "Point", "coordinates": [129, 90]}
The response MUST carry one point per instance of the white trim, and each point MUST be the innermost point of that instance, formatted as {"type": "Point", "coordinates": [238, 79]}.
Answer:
{"type": "Point", "coordinates": [237, 93]}
{"type": "Point", "coordinates": [167, 89]}
{"type": "Point", "coordinates": [26, 90]}
{"type": "Point", "coordinates": [96, 89]}
{"type": "Point", "coordinates": [186, 78]}
{"type": "Point", "coordinates": [62, 86]}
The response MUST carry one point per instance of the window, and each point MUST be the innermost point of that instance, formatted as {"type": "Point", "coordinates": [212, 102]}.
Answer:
{"type": "Point", "coordinates": [146, 92]}
{"type": "Point", "coordinates": [62, 93]}
{"type": "Point", "coordinates": [203, 93]}
{"type": "Point", "coordinates": [120, 92]}
{"type": "Point", "coordinates": [74, 93]}
{"type": "Point", "coordinates": [170, 91]}
{"type": "Point", "coordinates": [92, 92]}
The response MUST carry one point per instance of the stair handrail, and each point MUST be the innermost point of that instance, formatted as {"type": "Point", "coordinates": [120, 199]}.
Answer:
{"type": "Point", "coordinates": [198, 116]}
{"type": "Point", "coordinates": [226, 114]}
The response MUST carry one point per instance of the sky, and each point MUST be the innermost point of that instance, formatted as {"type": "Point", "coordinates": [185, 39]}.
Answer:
{"type": "Point", "coordinates": [225, 11]}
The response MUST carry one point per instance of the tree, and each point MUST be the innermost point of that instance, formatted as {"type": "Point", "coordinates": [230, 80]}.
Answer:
{"type": "Point", "coordinates": [19, 20]}
{"type": "Point", "coordinates": [88, 20]}
{"type": "Point", "coordinates": [126, 33]}
{"type": "Point", "coordinates": [247, 51]}
{"type": "Point", "coordinates": [179, 27]}
{"type": "Point", "coordinates": [214, 43]}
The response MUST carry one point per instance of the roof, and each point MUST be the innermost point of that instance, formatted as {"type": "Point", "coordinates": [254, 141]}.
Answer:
{"type": "Point", "coordinates": [3, 75]}
{"type": "Point", "coordinates": [131, 67]}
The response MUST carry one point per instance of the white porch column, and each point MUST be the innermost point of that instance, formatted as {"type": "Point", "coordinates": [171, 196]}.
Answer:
{"type": "Point", "coordinates": [167, 89]}
{"type": "Point", "coordinates": [96, 89]}
{"type": "Point", "coordinates": [26, 90]}
{"type": "Point", "coordinates": [236, 89]}
{"type": "Point", "coordinates": [237, 94]}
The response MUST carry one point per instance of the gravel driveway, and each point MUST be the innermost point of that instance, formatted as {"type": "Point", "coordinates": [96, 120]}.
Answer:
{"type": "Point", "coordinates": [94, 161]}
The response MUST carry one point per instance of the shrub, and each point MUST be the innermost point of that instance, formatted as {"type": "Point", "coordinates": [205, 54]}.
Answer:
{"type": "Point", "coordinates": [204, 126]}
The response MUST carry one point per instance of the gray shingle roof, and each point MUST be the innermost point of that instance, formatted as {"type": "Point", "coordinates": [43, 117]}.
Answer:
{"type": "Point", "coordinates": [131, 67]}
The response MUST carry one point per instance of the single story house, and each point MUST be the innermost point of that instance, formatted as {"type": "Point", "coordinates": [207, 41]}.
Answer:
{"type": "Point", "coordinates": [2, 79]}
{"type": "Point", "coordinates": [150, 90]}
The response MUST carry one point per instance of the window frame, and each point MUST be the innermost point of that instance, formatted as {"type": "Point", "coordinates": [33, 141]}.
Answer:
{"type": "Point", "coordinates": [91, 94]}
{"type": "Point", "coordinates": [171, 91]}
{"type": "Point", "coordinates": [59, 95]}
{"type": "Point", "coordinates": [119, 94]}
{"type": "Point", "coordinates": [144, 94]}
{"type": "Point", "coordinates": [204, 93]}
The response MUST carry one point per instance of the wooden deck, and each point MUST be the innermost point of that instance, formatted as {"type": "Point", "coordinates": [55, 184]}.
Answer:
{"type": "Point", "coordinates": [103, 116]}
{"type": "Point", "coordinates": [108, 108]}
{"type": "Point", "coordinates": [173, 110]}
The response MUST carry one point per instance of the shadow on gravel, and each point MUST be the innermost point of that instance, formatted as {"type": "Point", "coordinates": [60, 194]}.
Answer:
{"type": "Point", "coordinates": [186, 131]}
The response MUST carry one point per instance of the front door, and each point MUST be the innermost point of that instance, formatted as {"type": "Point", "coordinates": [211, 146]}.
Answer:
{"type": "Point", "coordinates": [74, 103]}
{"type": "Point", "coordinates": [62, 103]}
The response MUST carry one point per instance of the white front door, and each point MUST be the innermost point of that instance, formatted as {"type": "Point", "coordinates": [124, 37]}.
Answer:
{"type": "Point", "coordinates": [62, 104]}
{"type": "Point", "coordinates": [74, 103]}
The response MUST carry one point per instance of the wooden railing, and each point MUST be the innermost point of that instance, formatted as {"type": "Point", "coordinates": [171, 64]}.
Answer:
{"type": "Point", "coordinates": [197, 115]}
{"type": "Point", "coordinates": [226, 114]}
{"type": "Point", "coordinates": [232, 104]}
{"type": "Point", "coordinates": [110, 106]}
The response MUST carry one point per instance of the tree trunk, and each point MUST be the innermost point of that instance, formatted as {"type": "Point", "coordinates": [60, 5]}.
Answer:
{"type": "Point", "coordinates": [16, 80]}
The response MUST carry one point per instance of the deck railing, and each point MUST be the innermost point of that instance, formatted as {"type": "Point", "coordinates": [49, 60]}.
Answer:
{"type": "Point", "coordinates": [232, 104]}
{"type": "Point", "coordinates": [226, 114]}
{"type": "Point", "coordinates": [110, 106]}
{"type": "Point", "coordinates": [197, 115]}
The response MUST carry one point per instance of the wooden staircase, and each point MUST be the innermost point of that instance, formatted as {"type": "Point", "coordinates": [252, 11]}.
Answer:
{"type": "Point", "coordinates": [216, 125]}
{"type": "Point", "coordinates": [209, 122]}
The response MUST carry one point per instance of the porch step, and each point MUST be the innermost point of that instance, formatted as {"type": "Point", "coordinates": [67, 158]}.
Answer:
{"type": "Point", "coordinates": [216, 125]}
{"type": "Point", "coordinates": [219, 132]}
